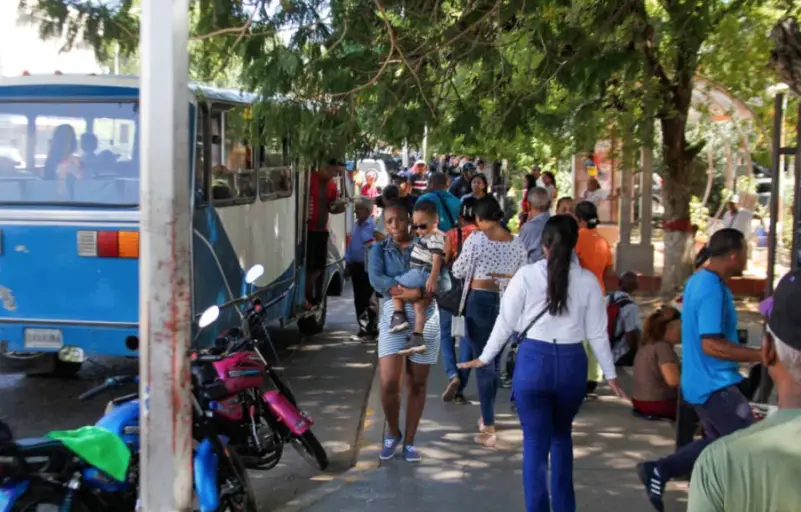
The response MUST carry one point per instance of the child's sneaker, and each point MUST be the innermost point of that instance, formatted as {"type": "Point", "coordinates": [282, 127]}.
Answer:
{"type": "Point", "coordinates": [414, 345]}
{"type": "Point", "coordinates": [399, 322]}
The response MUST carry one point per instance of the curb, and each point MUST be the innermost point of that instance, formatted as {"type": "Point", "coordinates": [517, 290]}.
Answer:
{"type": "Point", "coordinates": [367, 445]}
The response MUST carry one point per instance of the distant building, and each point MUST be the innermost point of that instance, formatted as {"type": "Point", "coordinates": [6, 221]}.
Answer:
{"type": "Point", "coordinates": [22, 50]}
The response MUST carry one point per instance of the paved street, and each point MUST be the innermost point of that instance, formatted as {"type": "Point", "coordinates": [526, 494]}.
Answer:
{"type": "Point", "coordinates": [329, 373]}
{"type": "Point", "coordinates": [458, 475]}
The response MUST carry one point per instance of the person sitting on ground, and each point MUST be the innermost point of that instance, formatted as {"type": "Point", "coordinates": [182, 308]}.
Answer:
{"type": "Point", "coordinates": [756, 468]}
{"type": "Point", "coordinates": [428, 253]}
{"type": "Point", "coordinates": [624, 320]}
{"type": "Point", "coordinates": [656, 367]}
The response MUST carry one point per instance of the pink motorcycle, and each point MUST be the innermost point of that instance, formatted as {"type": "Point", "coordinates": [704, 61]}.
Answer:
{"type": "Point", "coordinates": [259, 420]}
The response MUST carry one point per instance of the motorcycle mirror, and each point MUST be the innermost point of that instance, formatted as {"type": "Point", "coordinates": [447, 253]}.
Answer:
{"type": "Point", "coordinates": [255, 272]}
{"type": "Point", "coordinates": [209, 317]}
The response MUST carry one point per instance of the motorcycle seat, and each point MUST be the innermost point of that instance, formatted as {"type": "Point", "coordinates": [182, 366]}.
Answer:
{"type": "Point", "coordinates": [45, 455]}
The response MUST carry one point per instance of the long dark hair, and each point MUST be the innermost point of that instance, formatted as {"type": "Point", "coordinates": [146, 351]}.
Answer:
{"type": "Point", "coordinates": [467, 210]}
{"type": "Point", "coordinates": [588, 212]}
{"type": "Point", "coordinates": [529, 181]}
{"type": "Point", "coordinates": [488, 208]}
{"type": "Point", "coordinates": [559, 236]}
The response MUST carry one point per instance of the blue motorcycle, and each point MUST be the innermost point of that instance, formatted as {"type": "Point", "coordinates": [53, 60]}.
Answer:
{"type": "Point", "coordinates": [48, 473]}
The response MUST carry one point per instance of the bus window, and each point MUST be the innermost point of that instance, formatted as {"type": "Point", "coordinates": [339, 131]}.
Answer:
{"type": "Point", "coordinates": [70, 152]}
{"type": "Point", "coordinates": [14, 147]}
{"type": "Point", "coordinates": [275, 173]}
{"type": "Point", "coordinates": [234, 179]}
{"type": "Point", "coordinates": [200, 159]}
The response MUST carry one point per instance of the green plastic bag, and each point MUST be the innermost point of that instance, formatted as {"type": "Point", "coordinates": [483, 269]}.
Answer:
{"type": "Point", "coordinates": [97, 447]}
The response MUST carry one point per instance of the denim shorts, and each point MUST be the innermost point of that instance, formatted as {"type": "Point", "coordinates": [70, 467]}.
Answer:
{"type": "Point", "coordinates": [415, 277]}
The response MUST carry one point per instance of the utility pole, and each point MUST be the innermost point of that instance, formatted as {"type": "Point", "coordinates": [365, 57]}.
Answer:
{"type": "Point", "coordinates": [164, 267]}
{"type": "Point", "coordinates": [425, 143]}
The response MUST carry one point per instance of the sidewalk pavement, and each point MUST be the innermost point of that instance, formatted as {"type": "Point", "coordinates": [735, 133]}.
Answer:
{"type": "Point", "coordinates": [458, 475]}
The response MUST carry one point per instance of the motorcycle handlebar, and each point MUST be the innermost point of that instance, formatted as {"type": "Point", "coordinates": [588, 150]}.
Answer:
{"type": "Point", "coordinates": [110, 383]}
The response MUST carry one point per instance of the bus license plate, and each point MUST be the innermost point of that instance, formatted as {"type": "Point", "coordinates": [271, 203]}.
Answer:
{"type": "Point", "coordinates": [44, 338]}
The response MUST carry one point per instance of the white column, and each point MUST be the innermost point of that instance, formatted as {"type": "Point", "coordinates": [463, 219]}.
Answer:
{"type": "Point", "coordinates": [425, 143]}
{"type": "Point", "coordinates": [646, 198]}
{"type": "Point", "coordinates": [164, 267]}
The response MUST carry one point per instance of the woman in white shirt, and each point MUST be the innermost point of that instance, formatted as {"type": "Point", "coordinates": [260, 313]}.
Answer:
{"type": "Point", "coordinates": [554, 304]}
{"type": "Point", "coordinates": [489, 259]}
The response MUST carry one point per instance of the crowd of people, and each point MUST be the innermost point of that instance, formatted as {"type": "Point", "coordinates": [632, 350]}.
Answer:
{"type": "Point", "coordinates": [450, 278]}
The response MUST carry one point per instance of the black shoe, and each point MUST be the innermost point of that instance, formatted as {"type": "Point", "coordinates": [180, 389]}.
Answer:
{"type": "Point", "coordinates": [365, 335]}
{"type": "Point", "coordinates": [414, 345]}
{"type": "Point", "coordinates": [654, 485]}
{"type": "Point", "coordinates": [459, 398]}
{"type": "Point", "coordinates": [399, 322]}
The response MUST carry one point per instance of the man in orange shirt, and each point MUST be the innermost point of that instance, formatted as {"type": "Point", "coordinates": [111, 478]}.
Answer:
{"type": "Point", "coordinates": [595, 255]}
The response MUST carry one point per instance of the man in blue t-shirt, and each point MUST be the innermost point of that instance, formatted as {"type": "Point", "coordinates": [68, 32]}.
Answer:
{"type": "Point", "coordinates": [711, 357]}
{"type": "Point", "coordinates": [448, 205]}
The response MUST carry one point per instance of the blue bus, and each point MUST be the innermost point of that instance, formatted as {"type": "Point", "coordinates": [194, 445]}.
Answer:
{"type": "Point", "coordinates": [69, 219]}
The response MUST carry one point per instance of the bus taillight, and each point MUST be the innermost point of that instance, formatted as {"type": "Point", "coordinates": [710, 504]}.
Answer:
{"type": "Point", "coordinates": [108, 244]}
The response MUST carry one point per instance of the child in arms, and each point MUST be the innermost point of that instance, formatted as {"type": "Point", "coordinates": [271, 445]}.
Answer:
{"type": "Point", "coordinates": [426, 262]}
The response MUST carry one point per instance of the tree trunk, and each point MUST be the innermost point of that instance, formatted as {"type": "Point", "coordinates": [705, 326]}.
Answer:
{"type": "Point", "coordinates": [710, 174]}
{"type": "Point", "coordinates": [679, 247]}
{"type": "Point", "coordinates": [728, 176]}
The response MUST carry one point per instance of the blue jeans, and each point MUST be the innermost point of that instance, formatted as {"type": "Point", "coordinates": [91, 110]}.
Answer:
{"type": "Point", "coordinates": [549, 384]}
{"type": "Point", "coordinates": [449, 350]}
{"type": "Point", "coordinates": [725, 411]}
{"type": "Point", "coordinates": [413, 278]}
{"type": "Point", "coordinates": [481, 311]}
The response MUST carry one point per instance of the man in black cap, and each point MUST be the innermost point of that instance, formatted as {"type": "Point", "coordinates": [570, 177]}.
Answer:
{"type": "Point", "coordinates": [461, 186]}
{"type": "Point", "coordinates": [757, 468]}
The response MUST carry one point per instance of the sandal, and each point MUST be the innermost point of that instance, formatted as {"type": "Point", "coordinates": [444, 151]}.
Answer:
{"type": "Point", "coordinates": [486, 439]}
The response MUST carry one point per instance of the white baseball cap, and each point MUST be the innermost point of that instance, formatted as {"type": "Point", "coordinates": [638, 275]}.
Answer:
{"type": "Point", "coordinates": [420, 162]}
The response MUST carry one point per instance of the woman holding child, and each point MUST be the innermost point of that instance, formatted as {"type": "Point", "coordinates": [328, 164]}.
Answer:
{"type": "Point", "coordinates": [389, 260]}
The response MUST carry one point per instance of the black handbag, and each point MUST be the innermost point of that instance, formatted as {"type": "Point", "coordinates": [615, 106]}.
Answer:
{"type": "Point", "coordinates": [451, 299]}
{"type": "Point", "coordinates": [511, 356]}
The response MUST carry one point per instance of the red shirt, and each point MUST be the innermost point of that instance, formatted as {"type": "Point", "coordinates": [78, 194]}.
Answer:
{"type": "Point", "coordinates": [369, 191]}
{"type": "Point", "coordinates": [321, 195]}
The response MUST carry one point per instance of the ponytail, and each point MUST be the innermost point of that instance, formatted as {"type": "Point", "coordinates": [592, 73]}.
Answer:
{"type": "Point", "coordinates": [655, 326]}
{"type": "Point", "coordinates": [559, 236]}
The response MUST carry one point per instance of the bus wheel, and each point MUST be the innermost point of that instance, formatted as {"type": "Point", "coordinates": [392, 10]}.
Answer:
{"type": "Point", "coordinates": [66, 369]}
{"type": "Point", "coordinates": [37, 364]}
{"type": "Point", "coordinates": [314, 323]}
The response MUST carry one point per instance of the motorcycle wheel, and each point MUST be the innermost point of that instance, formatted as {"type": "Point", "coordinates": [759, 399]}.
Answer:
{"type": "Point", "coordinates": [236, 492]}
{"type": "Point", "coordinates": [311, 450]}
{"type": "Point", "coordinates": [266, 459]}
{"type": "Point", "coordinates": [47, 498]}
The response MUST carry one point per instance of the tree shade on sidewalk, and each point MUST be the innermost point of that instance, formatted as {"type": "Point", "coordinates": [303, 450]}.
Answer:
{"type": "Point", "coordinates": [458, 475]}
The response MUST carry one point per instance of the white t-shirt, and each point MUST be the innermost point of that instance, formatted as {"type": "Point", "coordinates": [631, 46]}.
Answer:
{"type": "Point", "coordinates": [741, 221]}
{"type": "Point", "coordinates": [595, 196]}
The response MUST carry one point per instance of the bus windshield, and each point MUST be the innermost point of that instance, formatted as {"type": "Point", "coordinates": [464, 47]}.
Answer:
{"type": "Point", "coordinates": [69, 153]}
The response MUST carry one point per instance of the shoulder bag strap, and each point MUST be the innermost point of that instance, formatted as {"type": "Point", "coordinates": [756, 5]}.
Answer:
{"type": "Point", "coordinates": [522, 334]}
{"type": "Point", "coordinates": [467, 280]}
{"type": "Point", "coordinates": [447, 211]}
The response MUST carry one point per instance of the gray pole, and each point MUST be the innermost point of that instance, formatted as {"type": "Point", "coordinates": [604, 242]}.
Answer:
{"type": "Point", "coordinates": [164, 267]}
{"type": "Point", "coordinates": [425, 143]}
{"type": "Point", "coordinates": [778, 117]}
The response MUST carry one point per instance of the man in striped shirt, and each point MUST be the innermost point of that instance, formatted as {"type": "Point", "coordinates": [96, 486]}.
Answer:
{"type": "Point", "coordinates": [418, 175]}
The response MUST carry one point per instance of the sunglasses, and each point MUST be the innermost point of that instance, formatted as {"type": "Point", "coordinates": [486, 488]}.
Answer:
{"type": "Point", "coordinates": [419, 226]}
